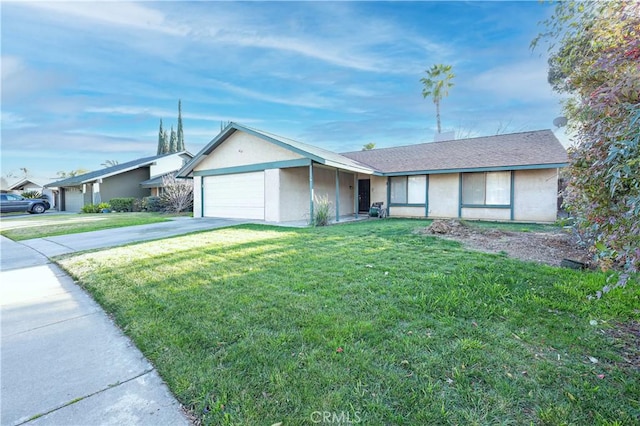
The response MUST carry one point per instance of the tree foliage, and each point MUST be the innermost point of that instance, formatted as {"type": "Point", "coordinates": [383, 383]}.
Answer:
{"type": "Point", "coordinates": [177, 194]}
{"type": "Point", "coordinates": [173, 141]}
{"type": "Point", "coordinates": [161, 140]}
{"type": "Point", "coordinates": [368, 146]}
{"type": "Point", "coordinates": [597, 62]}
{"type": "Point", "coordinates": [73, 173]}
{"type": "Point", "coordinates": [169, 143]}
{"type": "Point", "coordinates": [437, 84]}
{"type": "Point", "coordinates": [180, 146]}
{"type": "Point", "coordinates": [110, 163]}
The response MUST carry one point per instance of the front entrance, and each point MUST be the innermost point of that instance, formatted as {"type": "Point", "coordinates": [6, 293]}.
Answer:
{"type": "Point", "coordinates": [364, 195]}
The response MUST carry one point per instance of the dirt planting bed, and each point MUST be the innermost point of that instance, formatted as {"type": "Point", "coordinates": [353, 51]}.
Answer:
{"type": "Point", "coordinates": [543, 247]}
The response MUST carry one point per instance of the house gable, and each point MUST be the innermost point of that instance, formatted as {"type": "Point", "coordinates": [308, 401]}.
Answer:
{"type": "Point", "coordinates": [243, 149]}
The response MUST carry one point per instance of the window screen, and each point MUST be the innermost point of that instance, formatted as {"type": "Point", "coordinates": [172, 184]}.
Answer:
{"type": "Point", "coordinates": [498, 187]}
{"type": "Point", "coordinates": [399, 190]}
{"type": "Point", "coordinates": [490, 188]}
{"type": "Point", "coordinates": [416, 189]}
{"type": "Point", "coordinates": [473, 188]}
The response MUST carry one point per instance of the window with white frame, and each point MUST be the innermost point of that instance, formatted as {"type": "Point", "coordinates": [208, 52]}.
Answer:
{"type": "Point", "coordinates": [486, 188]}
{"type": "Point", "coordinates": [408, 189]}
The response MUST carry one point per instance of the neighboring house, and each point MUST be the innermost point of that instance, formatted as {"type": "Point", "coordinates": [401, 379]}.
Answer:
{"type": "Point", "coordinates": [119, 181]}
{"type": "Point", "coordinates": [156, 184]}
{"type": "Point", "coordinates": [26, 185]}
{"type": "Point", "coordinates": [249, 173]}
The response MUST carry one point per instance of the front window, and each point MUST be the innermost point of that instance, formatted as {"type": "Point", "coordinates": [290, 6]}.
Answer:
{"type": "Point", "coordinates": [408, 189]}
{"type": "Point", "coordinates": [488, 188]}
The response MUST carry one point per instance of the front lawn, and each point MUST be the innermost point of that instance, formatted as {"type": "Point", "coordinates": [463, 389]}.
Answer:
{"type": "Point", "coordinates": [40, 226]}
{"type": "Point", "coordinates": [369, 323]}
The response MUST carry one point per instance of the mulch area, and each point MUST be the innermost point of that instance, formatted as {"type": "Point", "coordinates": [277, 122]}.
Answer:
{"type": "Point", "coordinates": [542, 247]}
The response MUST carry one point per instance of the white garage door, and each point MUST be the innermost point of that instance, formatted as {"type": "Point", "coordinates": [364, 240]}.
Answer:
{"type": "Point", "coordinates": [238, 196]}
{"type": "Point", "coordinates": [73, 199]}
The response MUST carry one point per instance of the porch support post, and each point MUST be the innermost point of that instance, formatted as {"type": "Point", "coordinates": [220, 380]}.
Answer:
{"type": "Point", "coordinates": [337, 195]}
{"type": "Point", "coordinates": [513, 192]}
{"type": "Point", "coordinates": [356, 190]}
{"type": "Point", "coordinates": [311, 193]}
{"type": "Point", "coordinates": [201, 196]}
{"type": "Point", "coordinates": [426, 197]}
{"type": "Point", "coordinates": [460, 196]}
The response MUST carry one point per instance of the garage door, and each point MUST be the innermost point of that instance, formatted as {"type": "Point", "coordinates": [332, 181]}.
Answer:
{"type": "Point", "coordinates": [238, 196]}
{"type": "Point", "coordinates": [73, 199]}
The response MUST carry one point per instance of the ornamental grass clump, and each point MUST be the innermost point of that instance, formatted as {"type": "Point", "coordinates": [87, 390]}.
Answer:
{"type": "Point", "coordinates": [321, 210]}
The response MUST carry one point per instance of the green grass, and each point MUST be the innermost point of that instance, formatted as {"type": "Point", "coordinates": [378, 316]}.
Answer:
{"type": "Point", "coordinates": [40, 226]}
{"type": "Point", "coordinates": [366, 321]}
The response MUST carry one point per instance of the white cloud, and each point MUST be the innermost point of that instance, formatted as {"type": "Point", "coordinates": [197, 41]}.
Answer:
{"type": "Point", "coordinates": [11, 66]}
{"type": "Point", "coordinates": [162, 113]}
{"type": "Point", "coordinates": [525, 80]}
{"type": "Point", "coordinates": [10, 120]}
{"type": "Point", "coordinates": [304, 100]}
{"type": "Point", "coordinates": [121, 14]}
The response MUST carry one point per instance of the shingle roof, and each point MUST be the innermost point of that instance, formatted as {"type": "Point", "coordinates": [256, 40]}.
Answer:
{"type": "Point", "coordinates": [107, 171]}
{"type": "Point", "coordinates": [526, 149]}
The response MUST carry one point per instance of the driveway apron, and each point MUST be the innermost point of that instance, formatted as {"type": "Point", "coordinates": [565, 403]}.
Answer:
{"type": "Point", "coordinates": [64, 362]}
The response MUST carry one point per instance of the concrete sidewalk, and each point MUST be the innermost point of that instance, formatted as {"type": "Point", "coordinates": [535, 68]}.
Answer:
{"type": "Point", "coordinates": [64, 362]}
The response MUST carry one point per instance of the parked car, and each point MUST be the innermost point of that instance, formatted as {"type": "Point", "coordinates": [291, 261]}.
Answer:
{"type": "Point", "coordinates": [16, 203]}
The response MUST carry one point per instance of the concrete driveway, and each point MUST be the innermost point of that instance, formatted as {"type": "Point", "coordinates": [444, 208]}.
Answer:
{"type": "Point", "coordinates": [64, 362]}
{"type": "Point", "coordinates": [63, 244]}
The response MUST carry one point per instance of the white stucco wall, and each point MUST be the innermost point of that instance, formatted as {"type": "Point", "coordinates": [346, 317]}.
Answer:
{"type": "Point", "coordinates": [403, 211]}
{"type": "Point", "coordinates": [324, 184]}
{"type": "Point", "coordinates": [536, 195]}
{"type": "Point", "coordinates": [443, 195]}
{"type": "Point", "coordinates": [378, 189]}
{"type": "Point", "coordinates": [294, 194]}
{"type": "Point", "coordinates": [346, 193]}
{"type": "Point", "coordinates": [272, 195]}
{"type": "Point", "coordinates": [242, 149]}
{"type": "Point", "coordinates": [197, 196]}
{"type": "Point", "coordinates": [165, 165]}
{"type": "Point", "coordinates": [486, 213]}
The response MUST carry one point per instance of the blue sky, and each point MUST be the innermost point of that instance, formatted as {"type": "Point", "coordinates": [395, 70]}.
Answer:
{"type": "Point", "coordinates": [86, 82]}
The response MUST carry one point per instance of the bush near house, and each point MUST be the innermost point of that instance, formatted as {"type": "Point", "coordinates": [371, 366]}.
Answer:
{"type": "Point", "coordinates": [122, 204]}
{"type": "Point", "coordinates": [152, 204]}
{"type": "Point", "coordinates": [95, 208]}
{"type": "Point", "coordinates": [32, 194]}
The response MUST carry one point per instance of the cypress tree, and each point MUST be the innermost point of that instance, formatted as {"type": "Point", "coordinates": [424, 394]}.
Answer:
{"type": "Point", "coordinates": [165, 142]}
{"type": "Point", "coordinates": [173, 141]}
{"type": "Point", "coordinates": [160, 139]}
{"type": "Point", "coordinates": [180, 146]}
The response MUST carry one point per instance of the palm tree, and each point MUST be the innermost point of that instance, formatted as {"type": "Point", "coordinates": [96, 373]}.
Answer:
{"type": "Point", "coordinates": [109, 163]}
{"type": "Point", "coordinates": [437, 84]}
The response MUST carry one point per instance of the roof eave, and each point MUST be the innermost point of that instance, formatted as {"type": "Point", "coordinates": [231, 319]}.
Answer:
{"type": "Point", "coordinates": [478, 169]}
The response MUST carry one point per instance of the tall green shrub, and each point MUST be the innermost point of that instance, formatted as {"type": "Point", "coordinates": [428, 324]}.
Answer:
{"type": "Point", "coordinates": [122, 204]}
{"type": "Point", "coordinates": [596, 63]}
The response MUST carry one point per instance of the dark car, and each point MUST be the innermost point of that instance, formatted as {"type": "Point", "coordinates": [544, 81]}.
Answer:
{"type": "Point", "coordinates": [16, 203]}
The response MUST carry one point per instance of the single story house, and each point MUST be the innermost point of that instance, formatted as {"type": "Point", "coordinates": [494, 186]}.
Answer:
{"type": "Point", "coordinates": [248, 173]}
{"type": "Point", "coordinates": [130, 179]}
{"type": "Point", "coordinates": [24, 185]}
{"type": "Point", "coordinates": [28, 185]}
